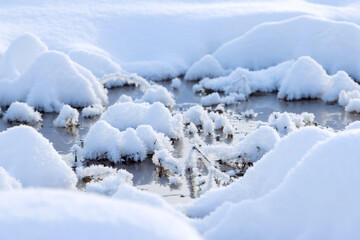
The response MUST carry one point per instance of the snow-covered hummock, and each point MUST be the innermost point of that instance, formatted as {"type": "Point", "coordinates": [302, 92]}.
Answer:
{"type": "Point", "coordinates": [21, 112]}
{"type": "Point", "coordinates": [305, 79]}
{"type": "Point", "coordinates": [333, 45]}
{"type": "Point", "coordinates": [196, 115]}
{"type": "Point", "coordinates": [20, 55]}
{"type": "Point", "coordinates": [8, 182]}
{"type": "Point", "coordinates": [350, 100]}
{"type": "Point", "coordinates": [100, 64]}
{"type": "Point", "coordinates": [175, 83]}
{"type": "Point", "coordinates": [110, 184]}
{"type": "Point", "coordinates": [249, 113]}
{"type": "Point", "coordinates": [51, 80]}
{"type": "Point", "coordinates": [121, 79]}
{"type": "Point", "coordinates": [316, 193]}
{"type": "Point", "coordinates": [353, 126]}
{"type": "Point", "coordinates": [128, 114]}
{"type": "Point", "coordinates": [249, 149]}
{"type": "Point", "coordinates": [105, 141]}
{"type": "Point", "coordinates": [244, 81]}
{"type": "Point", "coordinates": [207, 66]}
{"type": "Point", "coordinates": [29, 157]}
{"type": "Point", "coordinates": [92, 111]}
{"type": "Point", "coordinates": [266, 174]}
{"type": "Point", "coordinates": [67, 117]}
{"type": "Point", "coordinates": [286, 122]}
{"type": "Point", "coordinates": [164, 159]}
{"type": "Point", "coordinates": [157, 93]}
{"type": "Point", "coordinates": [55, 214]}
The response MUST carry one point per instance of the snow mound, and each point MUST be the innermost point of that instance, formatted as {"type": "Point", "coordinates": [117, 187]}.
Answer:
{"type": "Point", "coordinates": [266, 174]}
{"type": "Point", "coordinates": [105, 141]}
{"type": "Point", "coordinates": [54, 79]}
{"type": "Point", "coordinates": [163, 159]}
{"type": "Point", "coordinates": [157, 93]}
{"type": "Point", "coordinates": [128, 114]}
{"type": "Point", "coordinates": [20, 55]}
{"type": "Point", "coordinates": [51, 214]}
{"type": "Point", "coordinates": [207, 66]}
{"type": "Point", "coordinates": [7, 182]}
{"type": "Point", "coordinates": [92, 111]}
{"type": "Point", "coordinates": [21, 112]}
{"type": "Point", "coordinates": [67, 117]}
{"type": "Point", "coordinates": [110, 184]}
{"type": "Point", "coordinates": [332, 44]}
{"type": "Point", "coordinates": [99, 64]}
{"type": "Point", "coordinates": [306, 79]}
{"type": "Point", "coordinates": [317, 193]}
{"type": "Point", "coordinates": [33, 160]}
{"type": "Point", "coordinates": [175, 83]}
{"type": "Point", "coordinates": [286, 122]}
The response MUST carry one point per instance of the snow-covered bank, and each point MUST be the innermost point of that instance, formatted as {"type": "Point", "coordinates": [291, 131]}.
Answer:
{"type": "Point", "coordinates": [67, 215]}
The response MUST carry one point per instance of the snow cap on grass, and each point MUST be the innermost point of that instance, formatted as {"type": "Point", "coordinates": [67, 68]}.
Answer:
{"type": "Point", "coordinates": [68, 116]}
{"type": "Point", "coordinates": [20, 55]}
{"type": "Point", "coordinates": [51, 80]}
{"type": "Point", "coordinates": [175, 83]}
{"type": "Point", "coordinates": [110, 184]}
{"type": "Point", "coordinates": [33, 160]}
{"type": "Point", "coordinates": [157, 93]}
{"type": "Point", "coordinates": [196, 115]}
{"type": "Point", "coordinates": [105, 141]}
{"type": "Point", "coordinates": [287, 122]}
{"type": "Point", "coordinates": [207, 66]}
{"type": "Point", "coordinates": [54, 214]}
{"type": "Point", "coordinates": [21, 112]}
{"type": "Point", "coordinates": [125, 115]}
{"type": "Point", "coordinates": [164, 159]}
{"type": "Point", "coordinates": [8, 182]}
{"type": "Point", "coordinates": [92, 111]}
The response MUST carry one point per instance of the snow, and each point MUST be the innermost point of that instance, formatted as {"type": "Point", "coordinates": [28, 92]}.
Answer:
{"type": "Point", "coordinates": [163, 159]}
{"type": "Point", "coordinates": [196, 115]}
{"type": "Point", "coordinates": [314, 195]}
{"type": "Point", "coordinates": [157, 93]}
{"type": "Point", "coordinates": [51, 80]}
{"type": "Point", "coordinates": [64, 215]}
{"type": "Point", "coordinates": [175, 83]}
{"type": "Point", "coordinates": [21, 112]}
{"type": "Point", "coordinates": [286, 122]}
{"type": "Point", "coordinates": [207, 66]}
{"type": "Point", "coordinates": [110, 184]}
{"type": "Point", "coordinates": [8, 182]}
{"type": "Point", "coordinates": [20, 55]}
{"type": "Point", "coordinates": [67, 117]}
{"type": "Point", "coordinates": [333, 45]}
{"type": "Point", "coordinates": [33, 160]}
{"type": "Point", "coordinates": [105, 141]}
{"type": "Point", "coordinates": [266, 174]}
{"type": "Point", "coordinates": [99, 64]}
{"type": "Point", "coordinates": [92, 111]}
{"type": "Point", "coordinates": [128, 114]}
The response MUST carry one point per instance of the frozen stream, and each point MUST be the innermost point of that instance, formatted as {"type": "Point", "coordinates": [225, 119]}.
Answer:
{"type": "Point", "coordinates": [145, 176]}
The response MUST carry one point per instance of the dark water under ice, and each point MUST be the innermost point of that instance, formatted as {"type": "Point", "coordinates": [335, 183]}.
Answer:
{"type": "Point", "coordinates": [145, 176]}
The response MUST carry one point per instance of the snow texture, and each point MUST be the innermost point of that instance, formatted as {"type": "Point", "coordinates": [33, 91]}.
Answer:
{"type": "Point", "coordinates": [21, 112]}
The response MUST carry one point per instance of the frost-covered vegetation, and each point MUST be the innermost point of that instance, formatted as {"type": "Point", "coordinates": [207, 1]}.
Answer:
{"type": "Point", "coordinates": [164, 88]}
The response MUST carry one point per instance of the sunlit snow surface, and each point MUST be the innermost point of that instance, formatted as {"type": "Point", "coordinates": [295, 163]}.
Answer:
{"type": "Point", "coordinates": [240, 114]}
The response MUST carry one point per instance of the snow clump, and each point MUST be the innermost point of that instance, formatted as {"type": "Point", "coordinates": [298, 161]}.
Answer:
{"type": "Point", "coordinates": [207, 66]}
{"type": "Point", "coordinates": [33, 168]}
{"type": "Point", "coordinates": [67, 117]}
{"type": "Point", "coordinates": [21, 112]}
